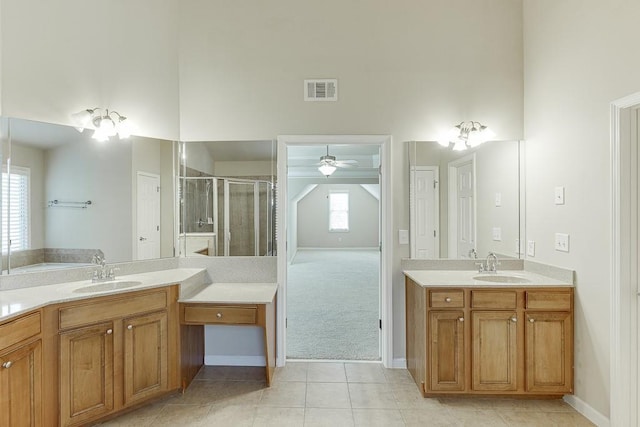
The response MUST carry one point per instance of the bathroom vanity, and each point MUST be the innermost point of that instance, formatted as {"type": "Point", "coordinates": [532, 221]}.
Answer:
{"type": "Point", "coordinates": [471, 334]}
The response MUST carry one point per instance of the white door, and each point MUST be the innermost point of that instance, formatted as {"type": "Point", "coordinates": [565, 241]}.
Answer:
{"type": "Point", "coordinates": [466, 210]}
{"type": "Point", "coordinates": [148, 216]}
{"type": "Point", "coordinates": [425, 220]}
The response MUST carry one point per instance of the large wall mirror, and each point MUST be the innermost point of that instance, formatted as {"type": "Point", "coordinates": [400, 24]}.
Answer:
{"type": "Point", "coordinates": [465, 204]}
{"type": "Point", "coordinates": [67, 197]}
{"type": "Point", "coordinates": [227, 198]}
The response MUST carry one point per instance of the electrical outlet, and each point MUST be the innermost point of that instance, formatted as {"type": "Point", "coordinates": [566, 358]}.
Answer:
{"type": "Point", "coordinates": [497, 234]}
{"type": "Point", "coordinates": [403, 237]}
{"type": "Point", "coordinates": [531, 248]}
{"type": "Point", "coordinates": [562, 242]}
{"type": "Point", "coordinates": [498, 200]}
{"type": "Point", "coordinates": [559, 196]}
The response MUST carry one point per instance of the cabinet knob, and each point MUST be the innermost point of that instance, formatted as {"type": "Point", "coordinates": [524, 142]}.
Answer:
{"type": "Point", "coordinates": [447, 299]}
{"type": "Point", "coordinates": [532, 320]}
{"type": "Point", "coordinates": [514, 319]}
{"type": "Point", "coordinates": [219, 315]}
{"type": "Point", "coordinates": [461, 319]}
{"type": "Point", "coordinates": [7, 365]}
{"type": "Point", "coordinates": [130, 327]}
{"type": "Point", "coordinates": [109, 331]}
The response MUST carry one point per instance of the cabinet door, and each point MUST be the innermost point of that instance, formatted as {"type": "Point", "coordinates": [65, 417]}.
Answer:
{"type": "Point", "coordinates": [549, 352]}
{"type": "Point", "coordinates": [446, 339]}
{"type": "Point", "coordinates": [86, 373]}
{"type": "Point", "coordinates": [494, 363]}
{"type": "Point", "coordinates": [21, 386]}
{"type": "Point", "coordinates": [145, 356]}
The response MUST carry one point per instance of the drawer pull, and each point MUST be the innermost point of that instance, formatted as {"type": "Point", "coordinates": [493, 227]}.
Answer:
{"type": "Point", "coordinates": [130, 327]}
{"type": "Point", "coordinates": [447, 299]}
{"type": "Point", "coordinates": [461, 319]}
{"type": "Point", "coordinates": [7, 365]}
{"type": "Point", "coordinates": [219, 315]}
{"type": "Point", "coordinates": [109, 331]}
{"type": "Point", "coordinates": [514, 319]}
{"type": "Point", "coordinates": [532, 320]}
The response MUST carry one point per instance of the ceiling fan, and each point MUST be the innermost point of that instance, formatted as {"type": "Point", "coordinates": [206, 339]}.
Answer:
{"type": "Point", "coordinates": [328, 164]}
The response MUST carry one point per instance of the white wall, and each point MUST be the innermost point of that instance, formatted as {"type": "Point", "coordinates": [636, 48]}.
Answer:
{"type": "Point", "coordinates": [61, 57]}
{"type": "Point", "coordinates": [106, 181]}
{"type": "Point", "coordinates": [579, 56]}
{"type": "Point", "coordinates": [313, 219]}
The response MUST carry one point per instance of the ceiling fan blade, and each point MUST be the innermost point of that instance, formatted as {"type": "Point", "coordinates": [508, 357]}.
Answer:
{"type": "Point", "coordinates": [351, 162]}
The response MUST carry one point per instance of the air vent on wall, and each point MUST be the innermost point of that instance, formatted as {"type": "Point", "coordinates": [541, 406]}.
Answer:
{"type": "Point", "coordinates": [321, 90]}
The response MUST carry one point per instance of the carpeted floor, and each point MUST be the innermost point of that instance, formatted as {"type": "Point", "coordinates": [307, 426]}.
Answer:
{"type": "Point", "coordinates": [333, 305]}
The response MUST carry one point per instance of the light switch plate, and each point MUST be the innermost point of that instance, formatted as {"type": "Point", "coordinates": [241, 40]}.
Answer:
{"type": "Point", "coordinates": [562, 242]}
{"type": "Point", "coordinates": [559, 196]}
{"type": "Point", "coordinates": [531, 248]}
{"type": "Point", "coordinates": [403, 237]}
{"type": "Point", "coordinates": [497, 234]}
{"type": "Point", "coordinates": [498, 200]}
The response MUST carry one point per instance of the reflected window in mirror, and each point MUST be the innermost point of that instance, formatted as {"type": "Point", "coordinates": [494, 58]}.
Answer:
{"type": "Point", "coordinates": [227, 197]}
{"type": "Point", "coordinates": [112, 198]}
{"type": "Point", "coordinates": [464, 204]}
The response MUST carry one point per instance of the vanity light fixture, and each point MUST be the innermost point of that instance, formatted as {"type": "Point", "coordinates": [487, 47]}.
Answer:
{"type": "Point", "coordinates": [466, 135]}
{"type": "Point", "coordinates": [104, 122]}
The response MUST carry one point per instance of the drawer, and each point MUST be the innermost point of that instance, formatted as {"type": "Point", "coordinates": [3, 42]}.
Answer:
{"type": "Point", "coordinates": [112, 308]}
{"type": "Point", "coordinates": [494, 299]}
{"type": "Point", "coordinates": [540, 300]}
{"type": "Point", "coordinates": [220, 315]}
{"type": "Point", "coordinates": [19, 330]}
{"type": "Point", "coordinates": [447, 299]}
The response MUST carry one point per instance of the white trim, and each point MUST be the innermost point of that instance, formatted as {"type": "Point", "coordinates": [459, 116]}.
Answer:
{"type": "Point", "coordinates": [234, 360]}
{"type": "Point", "coordinates": [452, 215]}
{"type": "Point", "coordinates": [591, 414]}
{"type": "Point", "coordinates": [386, 235]}
{"type": "Point", "coordinates": [623, 400]}
{"type": "Point", "coordinates": [399, 363]}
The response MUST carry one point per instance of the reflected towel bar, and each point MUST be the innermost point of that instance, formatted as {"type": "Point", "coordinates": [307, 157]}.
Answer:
{"type": "Point", "coordinates": [60, 204]}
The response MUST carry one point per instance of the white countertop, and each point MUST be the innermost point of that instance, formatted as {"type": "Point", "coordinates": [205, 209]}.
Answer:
{"type": "Point", "coordinates": [454, 278]}
{"type": "Point", "coordinates": [19, 301]}
{"type": "Point", "coordinates": [235, 293]}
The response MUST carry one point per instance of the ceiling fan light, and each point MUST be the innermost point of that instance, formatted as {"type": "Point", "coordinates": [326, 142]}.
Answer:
{"type": "Point", "coordinates": [326, 170]}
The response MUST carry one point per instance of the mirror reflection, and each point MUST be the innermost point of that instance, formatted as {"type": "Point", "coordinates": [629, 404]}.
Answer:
{"type": "Point", "coordinates": [464, 204]}
{"type": "Point", "coordinates": [67, 197]}
{"type": "Point", "coordinates": [227, 198]}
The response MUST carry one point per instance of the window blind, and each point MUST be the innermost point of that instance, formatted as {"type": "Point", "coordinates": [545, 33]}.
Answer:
{"type": "Point", "coordinates": [15, 209]}
{"type": "Point", "coordinates": [339, 211]}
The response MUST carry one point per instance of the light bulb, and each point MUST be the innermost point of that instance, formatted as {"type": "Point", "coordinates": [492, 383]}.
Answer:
{"type": "Point", "coordinates": [81, 119]}
{"type": "Point", "coordinates": [327, 170]}
{"type": "Point", "coordinates": [107, 126]}
{"type": "Point", "coordinates": [459, 145]}
{"type": "Point", "coordinates": [124, 128]}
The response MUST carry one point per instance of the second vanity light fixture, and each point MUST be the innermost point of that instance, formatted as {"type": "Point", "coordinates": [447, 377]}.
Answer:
{"type": "Point", "coordinates": [466, 135]}
{"type": "Point", "coordinates": [104, 122]}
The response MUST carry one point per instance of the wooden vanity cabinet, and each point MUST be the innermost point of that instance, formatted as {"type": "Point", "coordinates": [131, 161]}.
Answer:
{"type": "Point", "coordinates": [490, 341]}
{"type": "Point", "coordinates": [21, 371]}
{"type": "Point", "coordinates": [115, 352]}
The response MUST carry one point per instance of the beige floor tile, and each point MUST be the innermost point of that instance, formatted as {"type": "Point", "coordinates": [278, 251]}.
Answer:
{"type": "Point", "coordinates": [224, 415]}
{"type": "Point", "coordinates": [326, 372]}
{"type": "Point", "coordinates": [521, 405]}
{"type": "Point", "coordinates": [553, 405]}
{"type": "Point", "coordinates": [371, 396]}
{"type": "Point", "coordinates": [285, 395]}
{"type": "Point", "coordinates": [408, 397]}
{"type": "Point", "coordinates": [231, 373]}
{"type": "Point", "coordinates": [439, 417]}
{"type": "Point", "coordinates": [365, 373]}
{"type": "Point", "coordinates": [328, 417]}
{"type": "Point", "coordinates": [378, 417]}
{"type": "Point", "coordinates": [459, 402]}
{"type": "Point", "coordinates": [279, 417]}
{"type": "Point", "coordinates": [525, 418]}
{"type": "Point", "coordinates": [292, 371]}
{"type": "Point", "coordinates": [568, 419]}
{"type": "Point", "coordinates": [327, 395]}
{"type": "Point", "coordinates": [172, 415]}
{"type": "Point", "coordinates": [398, 376]}
{"type": "Point", "coordinates": [141, 417]}
{"type": "Point", "coordinates": [477, 418]}
{"type": "Point", "coordinates": [222, 392]}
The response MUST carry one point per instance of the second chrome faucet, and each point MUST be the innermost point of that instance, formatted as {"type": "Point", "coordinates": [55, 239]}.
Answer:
{"type": "Point", "coordinates": [490, 265]}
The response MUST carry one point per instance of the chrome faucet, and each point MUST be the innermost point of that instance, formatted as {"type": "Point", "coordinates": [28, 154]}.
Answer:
{"type": "Point", "coordinates": [101, 273]}
{"type": "Point", "coordinates": [491, 263]}
{"type": "Point", "coordinates": [473, 254]}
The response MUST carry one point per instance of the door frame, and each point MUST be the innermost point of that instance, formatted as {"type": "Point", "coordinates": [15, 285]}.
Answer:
{"type": "Point", "coordinates": [386, 238]}
{"type": "Point", "coordinates": [452, 215]}
{"type": "Point", "coordinates": [624, 306]}
{"type": "Point", "coordinates": [412, 208]}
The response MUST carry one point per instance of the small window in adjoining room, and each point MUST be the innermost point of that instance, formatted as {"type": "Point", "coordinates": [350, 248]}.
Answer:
{"type": "Point", "coordinates": [15, 209]}
{"type": "Point", "coordinates": [339, 211]}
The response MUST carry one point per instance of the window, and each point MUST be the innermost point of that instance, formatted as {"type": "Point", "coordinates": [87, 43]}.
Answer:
{"type": "Point", "coordinates": [339, 211]}
{"type": "Point", "coordinates": [15, 208]}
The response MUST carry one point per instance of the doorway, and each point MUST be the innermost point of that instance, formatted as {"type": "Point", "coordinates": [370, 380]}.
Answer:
{"type": "Point", "coordinates": [625, 243]}
{"type": "Point", "coordinates": [285, 239]}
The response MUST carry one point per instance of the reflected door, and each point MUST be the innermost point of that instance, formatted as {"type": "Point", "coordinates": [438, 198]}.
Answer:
{"type": "Point", "coordinates": [425, 216]}
{"type": "Point", "coordinates": [148, 216]}
{"type": "Point", "coordinates": [241, 218]}
{"type": "Point", "coordinates": [466, 210]}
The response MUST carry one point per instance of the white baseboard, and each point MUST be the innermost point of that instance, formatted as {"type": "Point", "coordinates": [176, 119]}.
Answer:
{"type": "Point", "coordinates": [585, 409]}
{"type": "Point", "coordinates": [399, 363]}
{"type": "Point", "coordinates": [234, 360]}
{"type": "Point", "coordinates": [374, 248]}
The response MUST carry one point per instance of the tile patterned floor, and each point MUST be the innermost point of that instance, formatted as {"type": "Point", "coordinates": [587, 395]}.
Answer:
{"type": "Point", "coordinates": [335, 394]}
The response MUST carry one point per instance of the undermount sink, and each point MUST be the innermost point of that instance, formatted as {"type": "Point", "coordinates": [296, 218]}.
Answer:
{"type": "Point", "coordinates": [501, 278]}
{"type": "Point", "coordinates": [108, 286]}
